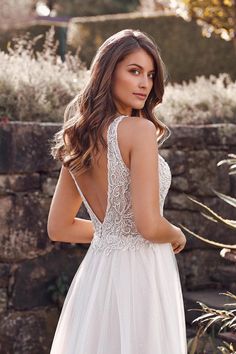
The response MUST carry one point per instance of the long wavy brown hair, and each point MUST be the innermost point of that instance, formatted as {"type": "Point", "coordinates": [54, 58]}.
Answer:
{"type": "Point", "coordinates": [90, 111]}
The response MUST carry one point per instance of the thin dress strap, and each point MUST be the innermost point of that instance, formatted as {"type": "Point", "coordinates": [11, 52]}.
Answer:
{"type": "Point", "coordinates": [112, 142]}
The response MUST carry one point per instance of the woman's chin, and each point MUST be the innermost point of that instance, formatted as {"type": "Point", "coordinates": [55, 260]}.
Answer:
{"type": "Point", "coordinates": [138, 106]}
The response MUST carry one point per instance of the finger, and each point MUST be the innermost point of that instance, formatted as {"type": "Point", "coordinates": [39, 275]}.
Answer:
{"type": "Point", "coordinates": [178, 249]}
{"type": "Point", "coordinates": [175, 245]}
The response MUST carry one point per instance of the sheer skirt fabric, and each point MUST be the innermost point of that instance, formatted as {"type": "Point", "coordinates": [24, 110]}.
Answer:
{"type": "Point", "coordinates": [128, 302]}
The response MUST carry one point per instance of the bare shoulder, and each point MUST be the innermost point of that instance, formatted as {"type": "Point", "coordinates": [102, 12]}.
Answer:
{"type": "Point", "coordinates": [133, 132]}
{"type": "Point", "coordinates": [139, 123]}
{"type": "Point", "coordinates": [135, 129]}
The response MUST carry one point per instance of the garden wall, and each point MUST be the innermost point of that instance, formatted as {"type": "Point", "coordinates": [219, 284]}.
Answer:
{"type": "Point", "coordinates": [31, 264]}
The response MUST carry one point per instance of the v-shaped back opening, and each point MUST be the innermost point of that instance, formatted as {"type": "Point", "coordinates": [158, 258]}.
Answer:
{"type": "Point", "coordinates": [87, 204]}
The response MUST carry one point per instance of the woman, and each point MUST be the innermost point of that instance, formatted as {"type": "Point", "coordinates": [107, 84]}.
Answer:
{"type": "Point", "coordinates": [125, 297]}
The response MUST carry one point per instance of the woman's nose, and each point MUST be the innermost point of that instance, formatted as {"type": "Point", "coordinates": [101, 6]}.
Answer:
{"type": "Point", "coordinates": [143, 81]}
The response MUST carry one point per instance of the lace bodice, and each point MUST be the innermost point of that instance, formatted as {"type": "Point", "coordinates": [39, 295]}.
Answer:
{"type": "Point", "coordinates": [118, 230]}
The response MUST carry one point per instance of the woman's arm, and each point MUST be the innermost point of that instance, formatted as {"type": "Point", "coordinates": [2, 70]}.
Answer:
{"type": "Point", "coordinates": [62, 224]}
{"type": "Point", "coordinates": [145, 192]}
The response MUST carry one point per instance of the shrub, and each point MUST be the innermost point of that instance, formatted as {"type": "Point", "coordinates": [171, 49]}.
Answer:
{"type": "Point", "coordinates": [95, 7]}
{"type": "Point", "coordinates": [38, 85]}
{"type": "Point", "coordinates": [200, 101]}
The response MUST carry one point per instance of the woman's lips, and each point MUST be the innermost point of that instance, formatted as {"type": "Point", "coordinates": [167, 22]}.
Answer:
{"type": "Point", "coordinates": [140, 96]}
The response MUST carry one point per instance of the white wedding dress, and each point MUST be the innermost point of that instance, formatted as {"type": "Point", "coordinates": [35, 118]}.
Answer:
{"type": "Point", "coordinates": [125, 297]}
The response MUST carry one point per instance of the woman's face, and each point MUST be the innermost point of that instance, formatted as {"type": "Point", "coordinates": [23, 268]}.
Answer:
{"type": "Point", "coordinates": [132, 81]}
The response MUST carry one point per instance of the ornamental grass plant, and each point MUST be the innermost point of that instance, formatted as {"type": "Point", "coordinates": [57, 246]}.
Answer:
{"type": "Point", "coordinates": [200, 101]}
{"type": "Point", "coordinates": [37, 86]}
{"type": "Point", "coordinates": [212, 317]}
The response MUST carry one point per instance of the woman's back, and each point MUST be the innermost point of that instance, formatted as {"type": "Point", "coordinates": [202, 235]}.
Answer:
{"type": "Point", "coordinates": [116, 229]}
{"type": "Point", "coordinates": [94, 182]}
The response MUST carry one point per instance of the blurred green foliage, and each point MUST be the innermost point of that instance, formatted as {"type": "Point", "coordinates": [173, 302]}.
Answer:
{"type": "Point", "coordinates": [95, 7]}
{"type": "Point", "coordinates": [185, 51]}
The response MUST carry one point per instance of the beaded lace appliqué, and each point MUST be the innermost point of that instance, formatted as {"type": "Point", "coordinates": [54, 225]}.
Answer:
{"type": "Point", "coordinates": [118, 230]}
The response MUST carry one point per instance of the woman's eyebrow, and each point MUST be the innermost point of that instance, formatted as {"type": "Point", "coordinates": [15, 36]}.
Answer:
{"type": "Point", "coordinates": [140, 66]}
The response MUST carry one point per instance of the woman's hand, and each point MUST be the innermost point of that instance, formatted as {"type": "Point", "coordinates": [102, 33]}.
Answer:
{"type": "Point", "coordinates": [179, 243]}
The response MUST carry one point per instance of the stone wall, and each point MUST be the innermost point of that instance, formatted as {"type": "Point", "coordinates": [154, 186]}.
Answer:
{"type": "Point", "coordinates": [31, 264]}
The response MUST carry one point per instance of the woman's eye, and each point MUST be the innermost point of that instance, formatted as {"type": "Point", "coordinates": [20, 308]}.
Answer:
{"type": "Point", "coordinates": [135, 71]}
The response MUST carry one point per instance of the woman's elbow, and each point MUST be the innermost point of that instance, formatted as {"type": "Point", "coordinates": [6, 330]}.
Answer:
{"type": "Point", "coordinates": [148, 230]}
{"type": "Point", "coordinates": [52, 231]}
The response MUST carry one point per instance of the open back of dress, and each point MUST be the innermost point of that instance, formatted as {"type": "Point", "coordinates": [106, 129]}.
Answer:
{"type": "Point", "coordinates": [118, 229]}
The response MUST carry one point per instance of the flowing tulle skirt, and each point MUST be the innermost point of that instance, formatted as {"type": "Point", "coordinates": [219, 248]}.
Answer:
{"type": "Point", "coordinates": [127, 302]}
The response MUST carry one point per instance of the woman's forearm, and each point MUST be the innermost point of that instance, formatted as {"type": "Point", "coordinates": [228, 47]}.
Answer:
{"type": "Point", "coordinates": [81, 231]}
